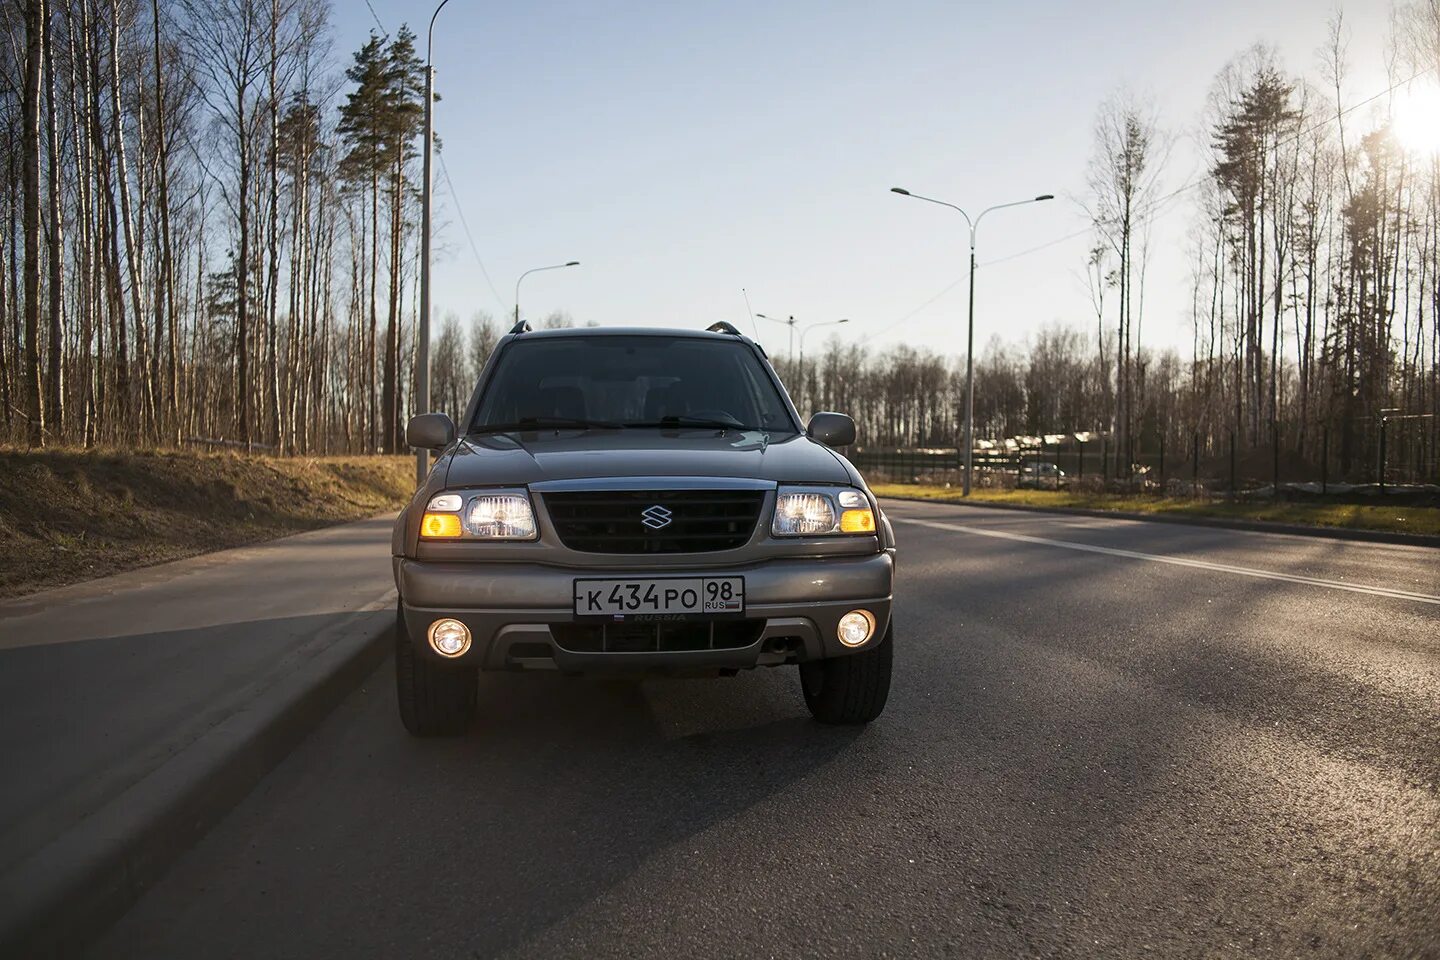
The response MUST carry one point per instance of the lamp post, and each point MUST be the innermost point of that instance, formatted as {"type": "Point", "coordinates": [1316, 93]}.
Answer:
{"type": "Point", "coordinates": [970, 331]}
{"type": "Point", "coordinates": [801, 366]}
{"type": "Point", "coordinates": [822, 323]}
{"type": "Point", "coordinates": [789, 322]}
{"type": "Point", "coordinates": [422, 333]}
{"type": "Point", "coordinates": [553, 266]}
{"type": "Point", "coordinates": [1385, 413]}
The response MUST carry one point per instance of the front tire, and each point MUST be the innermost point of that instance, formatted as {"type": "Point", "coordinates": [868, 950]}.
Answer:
{"type": "Point", "coordinates": [436, 699]}
{"type": "Point", "coordinates": [850, 689]}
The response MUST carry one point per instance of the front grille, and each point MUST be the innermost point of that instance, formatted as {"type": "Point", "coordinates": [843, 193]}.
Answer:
{"type": "Point", "coordinates": [615, 521]}
{"type": "Point", "coordinates": [658, 637]}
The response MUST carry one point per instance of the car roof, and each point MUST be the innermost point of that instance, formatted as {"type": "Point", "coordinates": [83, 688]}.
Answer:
{"type": "Point", "coordinates": [631, 332]}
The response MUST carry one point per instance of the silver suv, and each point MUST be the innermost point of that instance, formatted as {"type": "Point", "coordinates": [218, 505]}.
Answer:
{"type": "Point", "coordinates": [639, 500]}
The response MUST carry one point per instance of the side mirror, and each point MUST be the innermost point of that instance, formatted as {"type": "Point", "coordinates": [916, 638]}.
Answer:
{"type": "Point", "coordinates": [831, 429]}
{"type": "Point", "coordinates": [433, 431]}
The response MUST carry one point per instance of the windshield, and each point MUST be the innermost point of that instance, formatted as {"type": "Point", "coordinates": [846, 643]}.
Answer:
{"type": "Point", "coordinates": [632, 383]}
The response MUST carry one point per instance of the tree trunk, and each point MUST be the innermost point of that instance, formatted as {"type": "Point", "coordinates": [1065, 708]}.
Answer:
{"type": "Point", "coordinates": [55, 395]}
{"type": "Point", "coordinates": [374, 320]}
{"type": "Point", "coordinates": [84, 269]}
{"type": "Point", "coordinates": [392, 334]}
{"type": "Point", "coordinates": [272, 278]}
{"type": "Point", "coordinates": [122, 185]}
{"type": "Point", "coordinates": [242, 272]}
{"type": "Point", "coordinates": [7, 357]}
{"type": "Point", "coordinates": [166, 279]}
{"type": "Point", "coordinates": [30, 145]}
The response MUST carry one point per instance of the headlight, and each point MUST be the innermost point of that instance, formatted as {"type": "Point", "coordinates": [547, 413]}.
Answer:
{"type": "Point", "coordinates": [803, 514]}
{"type": "Point", "coordinates": [821, 511]}
{"type": "Point", "coordinates": [479, 515]}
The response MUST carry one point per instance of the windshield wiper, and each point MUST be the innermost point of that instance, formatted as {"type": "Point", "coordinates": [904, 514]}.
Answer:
{"type": "Point", "coordinates": [546, 423]}
{"type": "Point", "coordinates": [675, 420]}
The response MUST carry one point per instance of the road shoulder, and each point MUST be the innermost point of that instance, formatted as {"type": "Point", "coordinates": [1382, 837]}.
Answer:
{"type": "Point", "coordinates": [144, 709]}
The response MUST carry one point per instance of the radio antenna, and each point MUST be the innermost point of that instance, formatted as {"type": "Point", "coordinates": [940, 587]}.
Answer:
{"type": "Point", "coordinates": [752, 312]}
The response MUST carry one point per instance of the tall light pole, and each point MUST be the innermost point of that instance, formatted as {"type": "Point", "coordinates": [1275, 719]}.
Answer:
{"type": "Point", "coordinates": [970, 332]}
{"type": "Point", "coordinates": [788, 321]}
{"type": "Point", "coordinates": [422, 333]}
{"type": "Point", "coordinates": [822, 323]}
{"type": "Point", "coordinates": [553, 266]}
{"type": "Point", "coordinates": [807, 329]}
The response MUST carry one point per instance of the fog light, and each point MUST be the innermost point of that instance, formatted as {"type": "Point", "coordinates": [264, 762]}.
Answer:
{"type": "Point", "coordinates": [449, 638]}
{"type": "Point", "coordinates": [856, 627]}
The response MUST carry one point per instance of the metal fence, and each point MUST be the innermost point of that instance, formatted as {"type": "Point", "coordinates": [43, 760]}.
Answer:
{"type": "Point", "coordinates": [1404, 462]}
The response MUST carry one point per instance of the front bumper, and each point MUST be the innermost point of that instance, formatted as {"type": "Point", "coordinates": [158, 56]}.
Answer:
{"type": "Point", "coordinates": [510, 608]}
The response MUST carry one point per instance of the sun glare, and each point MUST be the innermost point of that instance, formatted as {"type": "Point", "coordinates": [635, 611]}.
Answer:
{"type": "Point", "coordinates": [1417, 118]}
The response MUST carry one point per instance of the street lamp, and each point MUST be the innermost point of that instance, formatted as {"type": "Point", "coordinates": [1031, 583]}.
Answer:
{"type": "Point", "coordinates": [422, 333]}
{"type": "Point", "coordinates": [1386, 415]}
{"type": "Point", "coordinates": [553, 266]}
{"type": "Point", "coordinates": [1385, 418]}
{"type": "Point", "coordinates": [788, 321]}
{"type": "Point", "coordinates": [822, 323]}
{"type": "Point", "coordinates": [970, 332]}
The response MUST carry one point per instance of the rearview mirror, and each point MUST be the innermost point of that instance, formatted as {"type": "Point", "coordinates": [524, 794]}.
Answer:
{"type": "Point", "coordinates": [831, 429]}
{"type": "Point", "coordinates": [433, 431]}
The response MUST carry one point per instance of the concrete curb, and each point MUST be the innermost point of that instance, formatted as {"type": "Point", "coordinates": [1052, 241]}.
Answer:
{"type": "Point", "coordinates": [56, 901]}
{"type": "Point", "coordinates": [1252, 526]}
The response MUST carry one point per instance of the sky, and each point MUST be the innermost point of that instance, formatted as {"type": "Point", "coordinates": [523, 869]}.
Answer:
{"type": "Point", "coordinates": [684, 151]}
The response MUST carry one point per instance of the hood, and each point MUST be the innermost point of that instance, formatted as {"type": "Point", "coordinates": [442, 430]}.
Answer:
{"type": "Point", "coordinates": [526, 457]}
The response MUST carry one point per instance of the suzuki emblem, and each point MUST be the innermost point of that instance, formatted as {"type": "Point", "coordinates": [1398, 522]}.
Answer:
{"type": "Point", "coordinates": [656, 517]}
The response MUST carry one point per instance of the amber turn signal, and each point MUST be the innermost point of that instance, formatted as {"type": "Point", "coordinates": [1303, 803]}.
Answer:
{"type": "Point", "coordinates": [440, 525]}
{"type": "Point", "coordinates": [857, 521]}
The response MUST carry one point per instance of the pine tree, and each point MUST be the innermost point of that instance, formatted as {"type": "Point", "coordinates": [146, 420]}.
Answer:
{"type": "Point", "coordinates": [404, 113]}
{"type": "Point", "coordinates": [363, 128]}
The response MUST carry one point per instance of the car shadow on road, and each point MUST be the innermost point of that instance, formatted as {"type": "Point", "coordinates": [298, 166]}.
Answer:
{"type": "Point", "coordinates": [563, 789]}
{"type": "Point", "coordinates": [596, 776]}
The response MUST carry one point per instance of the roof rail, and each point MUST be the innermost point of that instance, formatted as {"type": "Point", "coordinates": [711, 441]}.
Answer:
{"type": "Point", "coordinates": [522, 327]}
{"type": "Point", "coordinates": [724, 326]}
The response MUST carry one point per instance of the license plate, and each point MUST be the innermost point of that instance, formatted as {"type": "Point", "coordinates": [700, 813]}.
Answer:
{"type": "Point", "coordinates": [662, 597]}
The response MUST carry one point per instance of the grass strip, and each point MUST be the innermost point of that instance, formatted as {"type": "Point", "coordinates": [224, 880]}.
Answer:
{"type": "Point", "coordinates": [1348, 516]}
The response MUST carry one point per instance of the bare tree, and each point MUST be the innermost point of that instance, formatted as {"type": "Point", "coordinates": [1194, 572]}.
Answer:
{"type": "Point", "coordinates": [226, 41]}
{"type": "Point", "coordinates": [1125, 171]}
{"type": "Point", "coordinates": [35, 17]}
{"type": "Point", "coordinates": [55, 368]}
{"type": "Point", "coordinates": [166, 297]}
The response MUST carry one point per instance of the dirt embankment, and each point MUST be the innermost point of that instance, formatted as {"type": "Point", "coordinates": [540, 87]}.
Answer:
{"type": "Point", "coordinates": [68, 515]}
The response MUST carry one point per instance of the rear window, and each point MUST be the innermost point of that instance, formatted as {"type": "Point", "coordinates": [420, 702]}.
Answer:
{"type": "Point", "coordinates": [631, 382]}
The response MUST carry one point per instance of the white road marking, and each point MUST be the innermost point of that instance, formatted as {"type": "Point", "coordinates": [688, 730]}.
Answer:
{"type": "Point", "coordinates": [384, 603]}
{"type": "Point", "coordinates": [1176, 561]}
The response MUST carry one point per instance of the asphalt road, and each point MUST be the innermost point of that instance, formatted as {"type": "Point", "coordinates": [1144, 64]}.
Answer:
{"type": "Point", "coordinates": [1087, 752]}
{"type": "Point", "coordinates": [103, 683]}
